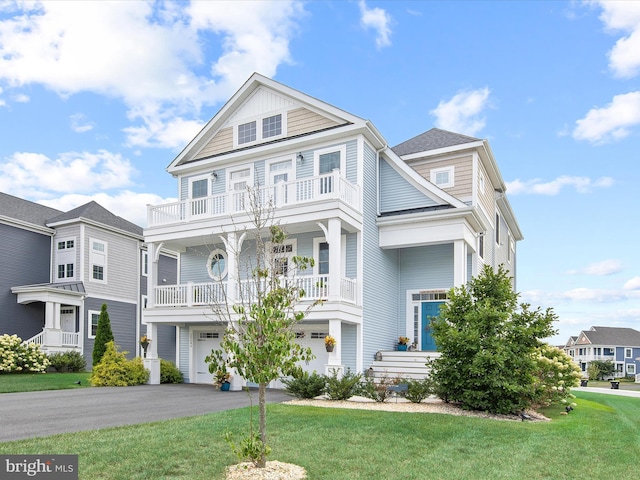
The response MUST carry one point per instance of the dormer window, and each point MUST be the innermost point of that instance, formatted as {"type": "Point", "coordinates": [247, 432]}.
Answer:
{"type": "Point", "coordinates": [442, 177]}
{"type": "Point", "coordinates": [262, 128]}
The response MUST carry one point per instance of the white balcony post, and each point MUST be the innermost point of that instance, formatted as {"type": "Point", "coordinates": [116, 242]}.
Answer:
{"type": "Point", "coordinates": [152, 362]}
{"type": "Point", "coordinates": [232, 266]}
{"type": "Point", "coordinates": [459, 263]}
{"type": "Point", "coordinates": [335, 357]}
{"type": "Point", "coordinates": [152, 274]}
{"type": "Point", "coordinates": [335, 258]}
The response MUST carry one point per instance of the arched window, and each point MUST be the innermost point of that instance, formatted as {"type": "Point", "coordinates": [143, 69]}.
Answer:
{"type": "Point", "coordinates": [217, 264]}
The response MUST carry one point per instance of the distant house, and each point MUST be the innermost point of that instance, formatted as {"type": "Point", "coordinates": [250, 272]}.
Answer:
{"type": "Point", "coordinates": [58, 268]}
{"type": "Point", "coordinates": [391, 229]}
{"type": "Point", "coordinates": [618, 345]}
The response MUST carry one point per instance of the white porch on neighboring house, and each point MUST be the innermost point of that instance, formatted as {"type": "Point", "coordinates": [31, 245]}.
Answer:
{"type": "Point", "coordinates": [63, 304]}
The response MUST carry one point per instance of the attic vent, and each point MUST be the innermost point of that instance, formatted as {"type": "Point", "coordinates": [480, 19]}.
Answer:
{"type": "Point", "coordinates": [208, 335]}
{"type": "Point", "coordinates": [318, 335]}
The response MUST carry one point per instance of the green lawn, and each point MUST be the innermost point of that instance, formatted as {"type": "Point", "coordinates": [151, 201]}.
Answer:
{"type": "Point", "coordinates": [599, 439]}
{"type": "Point", "coordinates": [30, 382]}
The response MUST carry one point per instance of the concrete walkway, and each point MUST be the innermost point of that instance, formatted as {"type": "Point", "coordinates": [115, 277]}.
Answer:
{"type": "Point", "coordinates": [608, 391]}
{"type": "Point", "coordinates": [39, 414]}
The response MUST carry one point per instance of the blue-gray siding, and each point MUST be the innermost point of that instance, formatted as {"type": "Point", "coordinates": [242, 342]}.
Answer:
{"type": "Point", "coordinates": [26, 258]}
{"type": "Point", "coordinates": [349, 343]}
{"type": "Point", "coordinates": [183, 361]}
{"type": "Point", "coordinates": [122, 317]}
{"type": "Point", "coordinates": [398, 194]}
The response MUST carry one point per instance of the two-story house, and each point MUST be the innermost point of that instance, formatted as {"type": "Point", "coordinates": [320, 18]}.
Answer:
{"type": "Point", "coordinates": [391, 229]}
{"type": "Point", "coordinates": [59, 268]}
{"type": "Point", "coordinates": [621, 346]}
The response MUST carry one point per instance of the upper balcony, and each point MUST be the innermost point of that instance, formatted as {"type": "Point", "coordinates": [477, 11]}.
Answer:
{"type": "Point", "coordinates": [301, 192]}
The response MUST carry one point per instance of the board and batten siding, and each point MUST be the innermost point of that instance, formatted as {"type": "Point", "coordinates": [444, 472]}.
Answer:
{"type": "Point", "coordinates": [423, 268]}
{"type": "Point", "coordinates": [380, 272]}
{"type": "Point", "coordinates": [122, 266]}
{"type": "Point", "coordinates": [463, 174]}
{"type": "Point", "coordinates": [26, 257]}
{"type": "Point", "coordinates": [397, 194]}
{"type": "Point", "coordinates": [122, 317]}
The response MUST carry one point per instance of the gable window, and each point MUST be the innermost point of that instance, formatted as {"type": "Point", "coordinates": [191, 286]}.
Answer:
{"type": "Point", "coordinates": [443, 177]}
{"type": "Point", "coordinates": [272, 126]}
{"type": "Point", "coordinates": [98, 259]}
{"type": "Point", "coordinates": [247, 133]}
{"type": "Point", "coordinates": [92, 323]}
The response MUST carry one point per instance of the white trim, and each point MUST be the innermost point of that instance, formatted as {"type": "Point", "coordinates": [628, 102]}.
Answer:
{"type": "Point", "coordinates": [90, 313]}
{"type": "Point", "coordinates": [630, 352]}
{"type": "Point", "coordinates": [144, 263]}
{"type": "Point", "coordinates": [343, 251]}
{"type": "Point", "coordinates": [630, 369]}
{"type": "Point", "coordinates": [342, 149]}
{"type": "Point", "coordinates": [98, 258]}
{"type": "Point", "coordinates": [239, 168]}
{"type": "Point", "coordinates": [450, 171]}
{"type": "Point", "coordinates": [224, 273]}
{"type": "Point", "coordinates": [409, 309]}
{"type": "Point", "coordinates": [260, 138]}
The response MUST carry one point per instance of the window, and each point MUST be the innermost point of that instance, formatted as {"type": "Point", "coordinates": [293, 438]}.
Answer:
{"type": "Point", "coordinates": [199, 188]}
{"type": "Point", "coordinates": [65, 244]}
{"type": "Point", "coordinates": [281, 256]}
{"type": "Point", "coordinates": [272, 126]}
{"type": "Point", "coordinates": [628, 353]}
{"type": "Point", "coordinates": [247, 132]}
{"type": "Point", "coordinates": [443, 177]}
{"type": "Point", "coordinates": [239, 182]}
{"type": "Point", "coordinates": [631, 368]}
{"type": "Point", "coordinates": [608, 351]}
{"type": "Point", "coordinates": [145, 264]}
{"type": "Point", "coordinates": [323, 258]}
{"type": "Point", "coordinates": [326, 161]}
{"type": "Point", "coordinates": [65, 270]}
{"type": "Point", "coordinates": [498, 228]}
{"type": "Point", "coordinates": [481, 245]}
{"type": "Point", "coordinates": [98, 259]}
{"type": "Point", "coordinates": [217, 265]}
{"type": "Point", "coordinates": [92, 321]}
{"type": "Point", "coordinates": [69, 270]}
{"type": "Point", "coordinates": [481, 182]}
{"type": "Point", "coordinates": [61, 271]}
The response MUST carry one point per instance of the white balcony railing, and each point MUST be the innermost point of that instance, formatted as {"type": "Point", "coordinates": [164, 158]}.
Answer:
{"type": "Point", "coordinates": [55, 338]}
{"type": "Point", "coordinates": [312, 189]}
{"type": "Point", "coordinates": [201, 294]}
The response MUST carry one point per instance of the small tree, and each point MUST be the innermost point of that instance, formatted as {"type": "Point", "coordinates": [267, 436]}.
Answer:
{"type": "Point", "coordinates": [601, 369]}
{"type": "Point", "coordinates": [488, 346]}
{"type": "Point", "coordinates": [260, 340]}
{"type": "Point", "coordinates": [104, 335]}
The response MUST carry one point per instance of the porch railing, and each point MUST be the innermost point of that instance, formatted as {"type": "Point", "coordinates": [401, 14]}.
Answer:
{"type": "Point", "coordinates": [300, 191]}
{"type": "Point", "coordinates": [200, 294]}
{"type": "Point", "coordinates": [56, 338]}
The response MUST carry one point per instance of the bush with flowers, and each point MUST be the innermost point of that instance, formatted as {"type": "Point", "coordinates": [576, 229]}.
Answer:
{"type": "Point", "coordinates": [19, 357]}
{"type": "Point", "coordinates": [555, 376]}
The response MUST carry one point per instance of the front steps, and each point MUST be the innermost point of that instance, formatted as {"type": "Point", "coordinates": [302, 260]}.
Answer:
{"type": "Point", "coordinates": [393, 364]}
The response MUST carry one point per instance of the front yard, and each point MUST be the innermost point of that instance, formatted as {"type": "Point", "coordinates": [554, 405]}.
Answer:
{"type": "Point", "coordinates": [31, 382]}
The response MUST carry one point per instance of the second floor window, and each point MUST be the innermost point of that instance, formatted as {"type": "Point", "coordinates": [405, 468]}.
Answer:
{"type": "Point", "coordinates": [247, 132]}
{"type": "Point", "coordinates": [98, 259]}
{"type": "Point", "coordinates": [272, 126]}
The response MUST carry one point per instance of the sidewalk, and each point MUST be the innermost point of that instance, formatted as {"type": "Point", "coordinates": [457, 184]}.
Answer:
{"type": "Point", "coordinates": [608, 391]}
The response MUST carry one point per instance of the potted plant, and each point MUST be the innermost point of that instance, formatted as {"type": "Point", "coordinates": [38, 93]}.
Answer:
{"type": "Point", "coordinates": [329, 343]}
{"type": "Point", "coordinates": [222, 379]}
{"type": "Point", "coordinates": [403, 343]}
{"type": "Point", "coordinates": [144, 342]}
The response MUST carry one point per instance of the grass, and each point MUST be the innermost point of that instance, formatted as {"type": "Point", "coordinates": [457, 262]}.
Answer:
{"type": "Point", "coordinates": [31, 382]}
{"type": "Point", "coordinates": [599, 439]}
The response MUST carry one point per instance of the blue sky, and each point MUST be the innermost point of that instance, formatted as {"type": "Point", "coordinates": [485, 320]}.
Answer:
{"type": "Point", "coordinates": [97, 98]}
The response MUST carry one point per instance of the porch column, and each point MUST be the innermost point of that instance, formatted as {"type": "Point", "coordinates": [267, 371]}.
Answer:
{"type": "Point", "coordinates": [152, 362]}
{"type": "Point", "coordinates": [233, 254]}
{"type": "Point", "coordinates": [459, 263]}
{"type": "Point", "coordinates": [335, 357]}
{"type": "Point", "coordinates": [335, 258]}
{"type": "Point", "coordinates": [49, 314]}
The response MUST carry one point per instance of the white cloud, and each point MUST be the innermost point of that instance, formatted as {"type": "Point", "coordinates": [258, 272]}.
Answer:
{"type": "Point", "coordinates": [580, 295]}
{"type": "Point", "coordinates": [25, 173]}
{"type": "Point", "coordinates": [624, 57]}
{"type": "Point", "coordinates": [605, 267]}
{"type": "Point", "coordinates": [80, 123]}
{"type": "Point", "coordinates": [610, 123]}
{"type": "Point", "coordinates": [461, 114]}
{"type": "Point", "coordinates": [149, 54]}
{"type": "Point", "coordinates": [129, 205]}
{"type": "Point", "coordinates": [633, 284]}
{"type": "Point", "coordinates": [377, 19]}
{"type": "Point", "coordinates": [553, 187]}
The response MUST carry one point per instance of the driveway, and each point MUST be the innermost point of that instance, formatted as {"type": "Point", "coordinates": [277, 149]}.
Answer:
{"type": "Point", "coordinates": [39, 414]}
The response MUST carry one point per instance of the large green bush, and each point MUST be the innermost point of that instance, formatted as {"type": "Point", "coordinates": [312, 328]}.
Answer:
{"type": "Point", "coordinates": [115, 370]}
{"type": "Point", "coordinates": [305, 385]}
{"type": "Point", "coordinates": [556, 375]}
{"type": "Point", "coordinates": [19, 357]}
{"type": "Point", "coordinates": [488, 345]}
{"type": "Point", "coordinates": [169, 373]}
{"type": "Point", "coordinates": [601, 369]}
{"type": "Point", "coordinates": [68, 361]}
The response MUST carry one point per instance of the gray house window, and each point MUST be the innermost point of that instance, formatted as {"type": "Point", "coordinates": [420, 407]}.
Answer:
{"type": "Point", "coordinates": [247, 132]}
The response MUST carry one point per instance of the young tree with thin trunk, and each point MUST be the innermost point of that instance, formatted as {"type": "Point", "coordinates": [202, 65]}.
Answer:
{"type": "Point", "coordinates": [260, 340]}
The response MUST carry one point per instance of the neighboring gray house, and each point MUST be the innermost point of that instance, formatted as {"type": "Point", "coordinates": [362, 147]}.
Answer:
{"type": "Point", "coordinates": [618, 345]}
{"type": "Point", "coordinates": [59, 268]}
{"type": "Point", "coordinates": [391, 229]}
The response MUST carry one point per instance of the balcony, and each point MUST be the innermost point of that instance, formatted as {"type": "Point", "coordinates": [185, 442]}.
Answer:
{"type": "Point", "coordinates": [283, 194]}
{"type": "Point", "coordinates": [316, 287]}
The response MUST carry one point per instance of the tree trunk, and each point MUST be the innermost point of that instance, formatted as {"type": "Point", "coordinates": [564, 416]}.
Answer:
{"type": "Point", "coordinates": [262, 403]}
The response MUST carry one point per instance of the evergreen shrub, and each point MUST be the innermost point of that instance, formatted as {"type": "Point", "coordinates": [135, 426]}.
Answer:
{"type": "Point", "coordinates": [305, 385]}
{"type": "Point", "coordinates": [169, 373]}
{"type": "Point", "coordinates": [67, 361]}
{"type": "Point", "coordinates": [115, 370]}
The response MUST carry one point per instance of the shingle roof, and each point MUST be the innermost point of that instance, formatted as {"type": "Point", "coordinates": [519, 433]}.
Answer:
{"type": "Point", "coordinates": [432, 140]}
{"type": "Point", "coordinates": [25, 211]}
{"type": "Point", "coordinates": [613, 336]}
{"type": "Point", "coordinates": [97, 213]}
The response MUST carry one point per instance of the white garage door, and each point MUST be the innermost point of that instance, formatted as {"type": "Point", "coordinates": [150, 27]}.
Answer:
{"type": "Point", "coordinates": [204, 343]}
{"type": "Point", "coordinates": [315, 340]}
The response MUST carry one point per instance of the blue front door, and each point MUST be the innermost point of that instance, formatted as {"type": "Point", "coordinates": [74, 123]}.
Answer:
{"type": "Point", "coordinates": [429, 309]}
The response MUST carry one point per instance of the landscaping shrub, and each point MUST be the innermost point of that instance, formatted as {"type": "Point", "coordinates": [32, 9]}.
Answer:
{"type": "Point", "coordinates": [601, 369]}
{"type": "Point", "coordinates": [67, 361]}
{"type": "Point", "coordinates": [378, 390]}
{"type": "Point", "coordinates": [556, 375]}
{"type": "Point", "coordinates": [342, 387]}
{"type": "Point", "coordinates": [419, 390]}
{"type": "Point", "coordinates": [305, 385]}
{"type": "Point", "coordinates": [104, 335]}
{"type": "Point", "coordinates": [115, 370]}
{"type": "Point", "coordinates": [17, 356]}
{"type": "Point", "coordinates": [169, 373]}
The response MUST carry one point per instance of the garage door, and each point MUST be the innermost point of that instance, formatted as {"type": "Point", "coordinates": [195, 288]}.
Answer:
{"type": "Point", "coordinates": [205, 342]}
{"type": "Point", "coordinates": [315, 340]}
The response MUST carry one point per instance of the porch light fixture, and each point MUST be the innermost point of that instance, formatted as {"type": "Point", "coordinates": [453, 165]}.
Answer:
{"type": "Point", "coordinates": [300, 158]}
{"type": "Point", "coordinates": [214, 175]}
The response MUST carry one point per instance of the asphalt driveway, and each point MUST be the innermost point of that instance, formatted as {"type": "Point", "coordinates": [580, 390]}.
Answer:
{"type": "Point", "coordinates": [39, 414]}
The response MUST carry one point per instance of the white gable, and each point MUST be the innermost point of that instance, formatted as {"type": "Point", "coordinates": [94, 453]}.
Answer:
{"type": "Point", "coordinates": [261, 101]}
